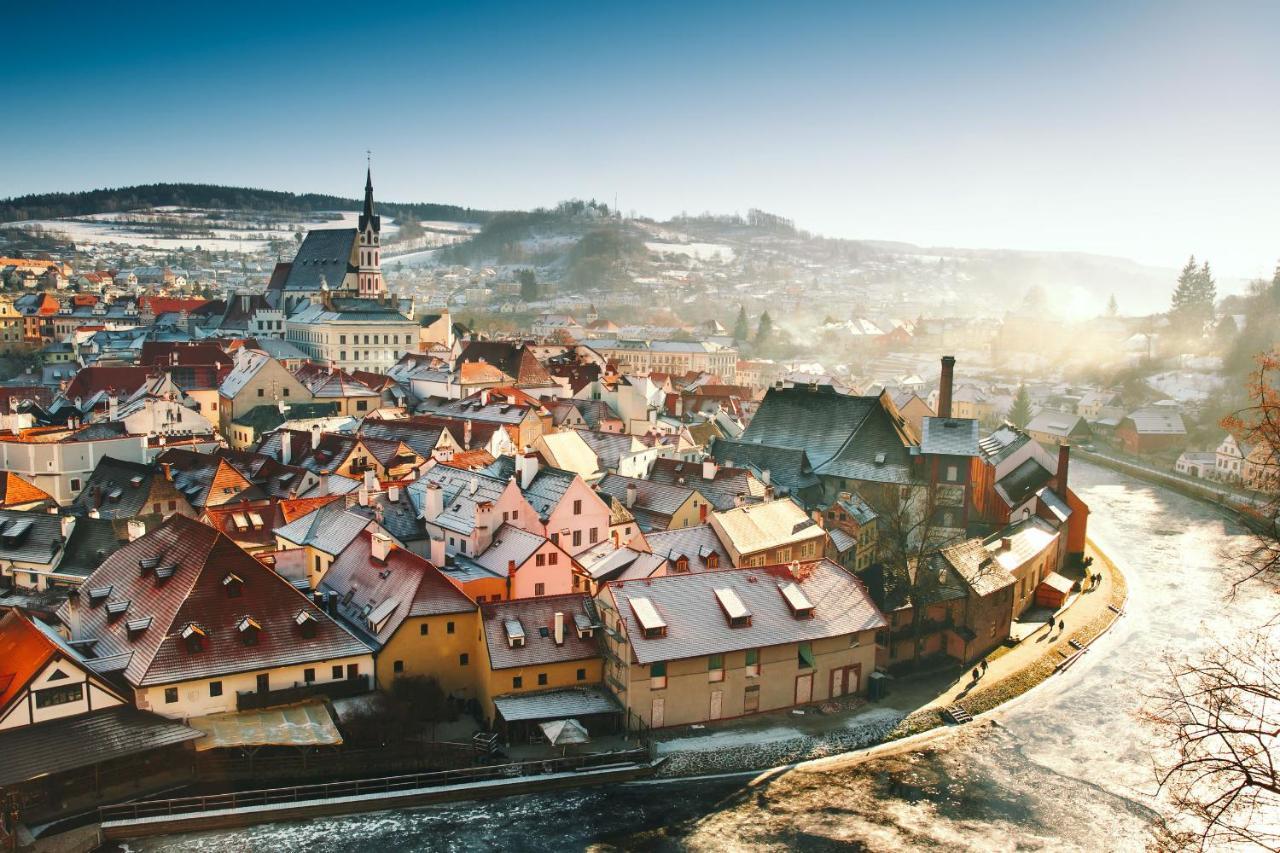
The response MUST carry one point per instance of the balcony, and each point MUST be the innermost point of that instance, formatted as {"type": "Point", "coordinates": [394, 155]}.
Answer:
{"type": "Point", "coordinates": [252, 700]}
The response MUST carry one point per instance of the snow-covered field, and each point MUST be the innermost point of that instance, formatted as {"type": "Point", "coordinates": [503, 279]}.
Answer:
{"type": "Point", "coordinates": [698, 251]}
{"type": "Point", "coordinates": [162, 228]}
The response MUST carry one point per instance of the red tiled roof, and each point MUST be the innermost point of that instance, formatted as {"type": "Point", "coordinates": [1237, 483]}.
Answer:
{"type": "Point", "coordinates": [298, 507]}
{"type": "Point", "coordinates": [198, 561]}
{"type": "Point", "coordinates": [90, 380]}
{"type": "Point", "coordinates": [15, 491]}
{"type": "Point", "coordinates": [24, 651]}
{"type": "Point", "coordinates": [164, 353]}
{"type": "Point", "coordinates": [166, 304]}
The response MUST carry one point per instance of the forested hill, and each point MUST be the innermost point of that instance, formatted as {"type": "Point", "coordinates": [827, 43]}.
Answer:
{"type": "Point", "coordinates": [58, 205]}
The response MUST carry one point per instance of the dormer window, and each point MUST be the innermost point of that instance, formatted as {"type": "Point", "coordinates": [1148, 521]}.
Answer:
{"type": "Point", "coordinates": [136, 627]}
{"type": "Point", "coordinates": [735, 610]}
{"type": "Point", "coordinates": [801, 606]}
{"type": "Point", "coordinates": [163, 573]}
{"type": "Point", "coordinates": [515, 633]}
{"type": "Point", "coordinates": [233, 585]}
{"type": "Point", "coordinates": [194, 636]}
{"type": "Point", "coordinates": [652, 625]}
{"type": "Point", "coordinates": [306, 623]}
{"type": "Point", "coordinates": [682, 564]}
{"type": "Point", "coordinates": [248, 629]}
{"type": "Point", "coordinates": [98, 595]}
{"type": "Point", "coordinates": [116, 609]}
{"type": "Point", "coordinates": [713, 560]}
{"type": "Point", "coordinates": [584, 626]}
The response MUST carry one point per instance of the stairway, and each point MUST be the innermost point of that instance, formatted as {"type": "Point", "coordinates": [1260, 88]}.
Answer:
{"type": "Point", "coordinates": [956, 715]}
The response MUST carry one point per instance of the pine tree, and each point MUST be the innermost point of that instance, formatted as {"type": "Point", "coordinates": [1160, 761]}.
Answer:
{"type": "Point", "coordinates": [528, 285]}
{"type": "Point", "coordinates": [1191, 308]}
{"type": "Point", "coordinates": [741, 331]}
{"type": "Point", "coordinates": [1020, 412]}
{"type": "Point", "coordinates": [1113, 307]}
{"type": "Point", "coordinates": [764, 331]}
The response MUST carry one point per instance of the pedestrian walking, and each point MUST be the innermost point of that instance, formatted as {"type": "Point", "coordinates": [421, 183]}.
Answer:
{"type": "Point", "coordinates": [984, 667]}
{"type": "Point", "coordinates": [975, 674]}
{"type": "Point", "coordinates": [1062, 625]}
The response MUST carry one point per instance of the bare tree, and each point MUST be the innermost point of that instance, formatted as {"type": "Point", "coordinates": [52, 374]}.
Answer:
{"type": "Point", "coordinates": [1220, 715]}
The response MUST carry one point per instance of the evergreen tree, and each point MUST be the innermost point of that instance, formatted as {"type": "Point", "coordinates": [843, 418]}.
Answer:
{"type": "Point", "coordinates": [1020, 412]}
{"type": "Point", "coordinates": [1113, 307]}
{"type": "Point", "coordinates": [741, 331]}
{"type": "Point", "coordinates": [528, 285]}
{"type": "Point", "coordinates": [1191, 308]}
{"type": "Point", "coordinates": [764, 331]}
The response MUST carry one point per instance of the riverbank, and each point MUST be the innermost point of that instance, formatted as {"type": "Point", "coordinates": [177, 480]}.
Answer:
{"type": "Point", "coordinates": [837, 737]}
{"type": "Point", "coordinates": [1242, 505]}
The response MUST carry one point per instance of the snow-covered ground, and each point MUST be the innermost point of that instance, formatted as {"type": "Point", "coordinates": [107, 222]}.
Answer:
{"type": "Point", "coordinates": [697, 251]}
{"type": "Point", "coordinates": [1186, 386]}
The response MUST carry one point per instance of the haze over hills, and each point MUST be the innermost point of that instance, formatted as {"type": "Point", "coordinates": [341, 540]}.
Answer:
{"type": "Point", "coordinates": [587, 245]}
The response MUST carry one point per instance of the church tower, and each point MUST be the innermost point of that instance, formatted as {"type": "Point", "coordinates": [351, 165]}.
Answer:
{"type": "Point", "coordinates": [369, 278]}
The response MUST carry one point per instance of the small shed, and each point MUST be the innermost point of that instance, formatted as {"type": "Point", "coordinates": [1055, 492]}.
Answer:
{"type": "Point", "coordinates": [1053, 591]}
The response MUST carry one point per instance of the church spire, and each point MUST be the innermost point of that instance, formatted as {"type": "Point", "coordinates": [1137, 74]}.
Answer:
{"type": "Point", "coordinates": [367, 218]}
{"type": "Point", "coordinates": [369, 246]}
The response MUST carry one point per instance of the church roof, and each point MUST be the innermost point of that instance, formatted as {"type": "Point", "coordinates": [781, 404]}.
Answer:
{"type": "Point", "coordinates": [326, 254]}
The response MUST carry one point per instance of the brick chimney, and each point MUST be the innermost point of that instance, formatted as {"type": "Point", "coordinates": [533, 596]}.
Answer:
{"type": "Point", "coordinates": [1064, 461]}
{"type": "Point", "coordinates": [944, 386]}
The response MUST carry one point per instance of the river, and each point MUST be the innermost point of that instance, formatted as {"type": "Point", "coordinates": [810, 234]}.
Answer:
{"type": "Point", "coordinates": [1068, 768]}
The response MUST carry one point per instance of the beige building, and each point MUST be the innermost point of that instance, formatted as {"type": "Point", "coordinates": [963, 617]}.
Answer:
{"type": "Point", "coordinates": [59, 463]}
{"type": "Point", "coordinates": [669, 357]}
{"type": "Point", "coordinates": [256, 380]}
{"type": "Point", "coordinates": [354, 333]}
{"type": "Point", "coordinates": [762, 534]}
{"type": "Point", "coordinates": [689, 648]}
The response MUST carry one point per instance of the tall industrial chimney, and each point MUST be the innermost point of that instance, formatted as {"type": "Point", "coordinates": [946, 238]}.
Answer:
{"type": "Point", "coordinates": [1064, 462]}
{"type": "Point", "coordinates": [944, 386]}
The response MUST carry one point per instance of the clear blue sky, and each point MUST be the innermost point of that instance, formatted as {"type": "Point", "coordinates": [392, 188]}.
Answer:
{"type": "Point", "coordinates": [1146, 130]}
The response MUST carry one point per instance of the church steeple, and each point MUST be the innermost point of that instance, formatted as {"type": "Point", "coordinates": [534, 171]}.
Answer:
{"type": "Point", "coordinates": [369, 277]}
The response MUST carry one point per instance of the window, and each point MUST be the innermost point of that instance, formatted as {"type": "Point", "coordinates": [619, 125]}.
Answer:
{"type": "Point", "coordinates": [595, 536]}
{"type": "Point", "coordinates": [262, 392]}
{"type": "Point", "coordinates": [286, 392]}
{"type": "Point", "coordinates": [540, 560]}
{"type": "Point", "coordinates": [553, 558]}
{"type": "Point", "coordinates": [804, 656]}
{"type": "Point", "coordinates": [753, 663]}
{"type": "Point", "coordinates": [582, 675]}
{"type": "Point", "coordinates": [170, 695]}
{"type": "Point", "coordinates": [337, 672]}
{"type": "Point", "coordinates": [361, 405]}
{"type": "Point", "coordinates": [448, 627]}
{"type": "Point", "coordinates": [155, 508]}
{"type": "Point", "coordinates": [517, 682]}
{"type": "Point", "coordinates": [398, 666]}
{"type": "Point", "coordinates": [658, 675]}
{"type": "Point", "coordinates": [173, 505]}
{"type": "Point", "coordinates": [317, 562]}
{"type": "Point", "coordinates": [215, 688]}
{"type": "Point", "coordinates": [953, 474]}
{"type": "Point", "coordinates": [464, 659]}
{"type": "Point", "coordinates": [422, 629]}
{"type": "Point", "coordinates": [542, 679]}
{"type": "Point", "coordinates": [715, 668]}
{"type": "Point", "coordinates": [264, 682]}
{"type": "Point", "coordinates": [309, 675]}
{"type": "Point", "coordinates": [75, 484]}
{"type": "Point", "coordinates": [539, 589]}
{"type": "Point", "coordinates": [577, 507]}
{"type": "Point", "coordinates": [577, 538]}
{"type": "Point", "coordinates": [342, 339]}
{"type": "Point", "coordinates": [60, 695]}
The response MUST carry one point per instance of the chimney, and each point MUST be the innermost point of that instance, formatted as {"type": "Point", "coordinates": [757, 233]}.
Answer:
{"type": "Point", "coordinates": [466, 435]}
{"type": "Point", "coordinates": [739, 499]}
{"type": "Point", "coordinates": [315, 436]}
{"type": "Point", "coordinates": [944, 386]}
{"type": "Point", "coordinates": [113, 407]}
{"type": "Point", "coordinates": [527, 463]}
{"type": "Point", "coordinates": [362, 495]}
{"type": "Point", "coordinates": [73, 613]}
{"type": "Point", "coordinates": [370, 481]}
{"type": "Point", "coordinates": [474, 485]}
{"type": "Point", "coordinates": [68, 523]}
{"type": "Point", "coordinates": [286, 445]}
{"type": "Point", "coordinates": [167, 467]}
{"type": "Point", "coordinates": [333, 603]}
{"type": "Point", "coordinates": [631, 495]}
{"type": "Point", "coordinates": [393, 494]}
{"type": "Point", "coordinates": [437, 556]}
{"type": "Point", "coordinates": [484, 397]}
{"type": "Point", "coordinates": [94, 513]}
{"type": "Point", "coordinates": [709, 469]}
{"type": "Point", "coordinates": [1064, 462]}
{"type": "Point", "coordinates": [511, 568]}
{"type": "Point", "coordinates": [559, 628]}
{"type": "Point", "coordinates": [1006, 544]}
{"type": "Point", "coordinates": [766, 477]}
{"type": "Point", "coordinates": [136, 529]}
{"type": "Point", "coordinates": [433, 503]}
{"type": "Point", "coordinates": [379, 547]}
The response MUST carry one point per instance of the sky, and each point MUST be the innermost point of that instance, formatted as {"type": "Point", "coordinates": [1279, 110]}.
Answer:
{"type": "Point", "coordinates": [1145, 130]}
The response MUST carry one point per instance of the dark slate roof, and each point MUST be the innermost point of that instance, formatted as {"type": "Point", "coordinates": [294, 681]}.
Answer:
{"type": "Point", "coordinates": [535, 613]}
{"type": "Point", "coordinates": [176, 575]}
{"type": "Point", "coordinates": [857, 438]}
{"type": "Point", "coordinates": [722, 489]}
{"type": "Point", "coordinates": [514, 359]}
{"type": "Point", "coordinates": [949, 436]}
{"type": "Point", "coordinates": [1023, 482]}
{"type": "Point", "coordinates": [697, 625]}
{"type": "Point", "coordinates": [545, 491]}
{"type": "Point", "coordinates": [116, 475]}
{"type": "Point", "coordinates": [696, 542]}
{"type": "Point", "coordinates": [325, 252]}
{"type": "Point", "coordinates": [30, 536]}
{"type": "Point", "coordinates": [788, 468]}
{"type": "Point", "coordinates": [263, 419]}
{"type": "Point", "coordinates": [1002, 443]}
{"type": "Point", "coordinates": [659, 498]}
{"type": "Point", "coordinates": [76, 743]}
{"type": "Point", "coordinates": [398, 517]}
{"type": "Point", "coordinates": [92, 540]}
{"type": "Point", "coordinates": [421, 437]}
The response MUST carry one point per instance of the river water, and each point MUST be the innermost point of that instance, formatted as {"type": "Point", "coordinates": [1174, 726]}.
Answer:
{"type": "Point", "coordinates": [1068, 768]}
